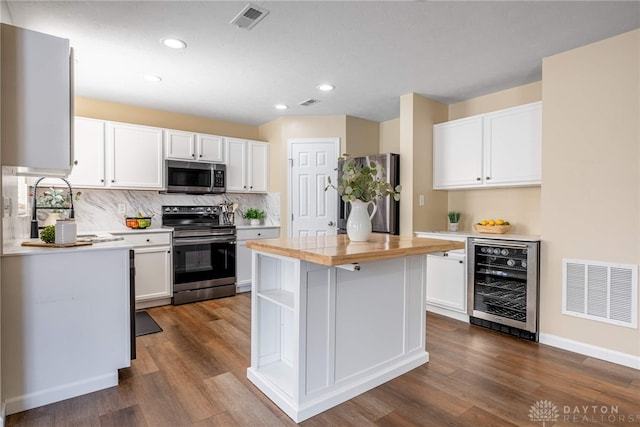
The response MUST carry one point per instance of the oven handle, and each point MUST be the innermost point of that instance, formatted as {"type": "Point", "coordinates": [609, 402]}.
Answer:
{"type": "Point", "coordinates": [202, 241]}
{"type": "Point", "coordinates": [499, 243]}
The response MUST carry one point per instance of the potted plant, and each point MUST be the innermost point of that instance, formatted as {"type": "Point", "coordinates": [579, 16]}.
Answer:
{"type": "Point", "coordinates": [362, 185]}
{"type": "Point", "coordinates": [56, 201]}
{"type": "Point", "coordinates": [454, 218]}
{"type": "Point", "coordinates": [255, 216]}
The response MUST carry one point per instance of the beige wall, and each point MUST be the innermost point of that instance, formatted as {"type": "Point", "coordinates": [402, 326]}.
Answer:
{"type": "Point", "coordinates": [278, 132]}
{"type": "Point", "coordinates": [417, 117]}
{"type": "Point", "coordinates": [363, 136]}
{"type": "Point", "coordinates": [93, 108]}
{"type": "Point", "coordinates": [591, 180]}
{"type": "Point", "coordinates": [519, 95]}
{"type": "Point", "coordinates": [390, 136]}
{"type": "Point", "coordinates": [520, 206]}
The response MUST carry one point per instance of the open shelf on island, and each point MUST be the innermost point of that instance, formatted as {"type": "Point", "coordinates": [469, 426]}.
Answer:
{"type": "Point", "coordinates": [278, 296]}
{"type": "Point", "coordinates": [279, 374]}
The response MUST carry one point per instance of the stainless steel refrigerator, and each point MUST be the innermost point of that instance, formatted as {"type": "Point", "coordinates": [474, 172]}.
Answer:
{"type": "Point", "coordinates": [387, 218]}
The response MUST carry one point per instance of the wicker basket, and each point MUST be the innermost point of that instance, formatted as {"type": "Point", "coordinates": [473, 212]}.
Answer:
{"type": "Point", "coordinates": [491, 229]}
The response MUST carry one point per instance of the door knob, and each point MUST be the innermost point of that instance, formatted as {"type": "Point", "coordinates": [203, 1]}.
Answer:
{"type": "Point", "coordinates": [331, 224]}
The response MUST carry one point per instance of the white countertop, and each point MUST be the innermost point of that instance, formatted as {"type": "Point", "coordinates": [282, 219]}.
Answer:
{"type": "Point", "coordinates": [465, 234]}
{"type": "Point", "coordinates": [17, 249]}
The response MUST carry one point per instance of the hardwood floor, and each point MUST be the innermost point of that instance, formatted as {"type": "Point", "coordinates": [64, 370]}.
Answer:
{"type": "Point", "coordinates": [194, 374]}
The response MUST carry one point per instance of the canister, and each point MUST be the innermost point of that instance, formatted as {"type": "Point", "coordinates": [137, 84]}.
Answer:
{"type": "Point", "coordinates": [66, 231]}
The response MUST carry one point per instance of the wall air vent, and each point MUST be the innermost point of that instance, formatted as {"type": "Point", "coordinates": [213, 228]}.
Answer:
{"type": "Point", "coordinates": [249, 17]}
{"type": "Point", "coordinates": [309, 102]}
{"type": "Point", "coordinates": [600, 291]}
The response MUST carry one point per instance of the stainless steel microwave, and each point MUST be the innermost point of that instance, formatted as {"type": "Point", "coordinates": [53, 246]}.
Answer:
{"type": "Point", "coordinates": [194, 177]}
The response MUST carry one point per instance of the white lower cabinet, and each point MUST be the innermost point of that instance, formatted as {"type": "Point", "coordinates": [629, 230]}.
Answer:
{"type": "Point", "coordinates": [153, 280]}
{"type": "Point", "coordinates": [446, 291]}
{"type": "Point", "coordinates": [243, 254]}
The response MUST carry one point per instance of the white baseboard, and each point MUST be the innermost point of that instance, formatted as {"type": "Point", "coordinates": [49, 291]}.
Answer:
{"type": "Point", "coordinates": [56, 394]}
{"type": "Point", "coordinates": [602, 353]}
{"type": "Point", "coordinates": [463, 317]}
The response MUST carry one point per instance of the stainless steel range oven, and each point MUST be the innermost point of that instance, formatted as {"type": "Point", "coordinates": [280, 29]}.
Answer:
{"type": "Point", "coordinates": [204, 253]}
{"type": "Point", "coordinates": [503, 286]}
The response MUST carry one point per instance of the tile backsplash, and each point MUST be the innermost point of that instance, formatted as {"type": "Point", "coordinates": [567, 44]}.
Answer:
{"type": "Point", "coordinates": [97, 209]}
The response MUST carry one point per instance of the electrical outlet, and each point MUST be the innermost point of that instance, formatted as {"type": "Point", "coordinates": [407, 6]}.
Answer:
{"type": "Point", "coordinates": [421, 199]}
{"type": "Point", "coordinates": [122, 208]}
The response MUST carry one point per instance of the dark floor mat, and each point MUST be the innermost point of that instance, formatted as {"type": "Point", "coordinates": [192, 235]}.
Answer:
{"type": "Point", "coordinates": [145, 324]}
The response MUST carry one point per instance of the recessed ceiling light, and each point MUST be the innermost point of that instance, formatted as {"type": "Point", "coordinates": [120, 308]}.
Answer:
{"type": "Point", "coordinates": [281, 106]}
{"type": "Point", "coordinates": [152, 78]}
{"type": "Point", "coordinates": [174, 43]}
{"type": "Point", "coordinates": [326, 87]}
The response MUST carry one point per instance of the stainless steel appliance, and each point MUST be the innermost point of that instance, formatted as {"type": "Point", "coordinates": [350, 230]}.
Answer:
{"type": "Point", "coordinates": [504, 286]}
{"type": "Point", "coordinates": [387, 217]}
{"type": "Point", "coordinates": [194, 177]}
{"type": "Point", "coordinates": [204, 253]}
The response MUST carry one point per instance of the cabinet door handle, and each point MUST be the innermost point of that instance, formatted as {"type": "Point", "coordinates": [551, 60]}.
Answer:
{"type": "Point", "coordinates": [113, 180]}
{"type": "Point", "coordinates": [75, 162]}
{"type": "Point", "coordinates": [461, 262]}
{"type": "Point", "coordinates": [148, 240]}
{"type": "Point", "coordinates": [488, 178]}
{"type": "Point", "coordinates": [478, 179]}
{"type": "Point", "coordinates": [331, 224]}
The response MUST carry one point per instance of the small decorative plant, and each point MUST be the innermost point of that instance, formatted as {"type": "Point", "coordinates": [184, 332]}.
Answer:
{"type": "Point", "coordinates": [256, 214]}
{"type": "Point", "coordinates": [363, 182]}
{"type": "Point", "coordinates": [55, 199]}
{"type": "Point", "coordinates": [48, 234]}
{"type": "Point", "coordinates": [454, 217]}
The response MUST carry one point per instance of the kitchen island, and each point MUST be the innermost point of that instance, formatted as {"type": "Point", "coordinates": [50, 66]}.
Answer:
{"type": "Point", "coordinates": [332, 318]}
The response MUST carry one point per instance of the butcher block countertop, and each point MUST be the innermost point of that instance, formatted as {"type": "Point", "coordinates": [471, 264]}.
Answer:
{"type": "Point", "coordinates": [339, 250]}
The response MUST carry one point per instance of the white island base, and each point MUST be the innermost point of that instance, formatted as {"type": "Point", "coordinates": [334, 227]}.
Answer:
{"type": "Point", "coordinates": [321, 335]}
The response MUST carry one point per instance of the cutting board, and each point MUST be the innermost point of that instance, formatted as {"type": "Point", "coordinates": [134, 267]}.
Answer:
{"type": "Point", "coordinates": [54, 245]}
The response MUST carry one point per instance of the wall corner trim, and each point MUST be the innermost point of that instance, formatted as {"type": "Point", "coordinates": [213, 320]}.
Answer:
{"type": "Point", "coordinates": [624, 359]}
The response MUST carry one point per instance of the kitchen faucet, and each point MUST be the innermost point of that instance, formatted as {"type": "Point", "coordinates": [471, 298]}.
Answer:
{"type": "Point", "coordinates": [34, 219]}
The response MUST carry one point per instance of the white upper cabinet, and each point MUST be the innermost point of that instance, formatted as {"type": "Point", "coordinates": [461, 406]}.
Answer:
{"type": "Point", "coordinates": [497, 149]}
{"type": "Point", "coordinates": [210, 148]}
{"type": "Point", "coordinates": [512, 146]}
{"type": "Point", "coordinates": [36, 102]}
{"type": "Point", "coordinates": [457, 153]}
{"type": "Point", "coordinates": [134, 156]}
{"type": "Point", "coordinates": [116, 155]}
{"type": "Point", "coordinates": [180, 145]}
{"type": "Point", "coordinates": [88, 169]}
{"type": "Point", "coordinates": [247, 166]}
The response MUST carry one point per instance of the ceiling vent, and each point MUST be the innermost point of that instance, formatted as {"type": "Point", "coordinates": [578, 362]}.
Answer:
{"type": "Point", "coordinates": [249, 17]}
{"type": "Point", "coordinates": [309, 102]}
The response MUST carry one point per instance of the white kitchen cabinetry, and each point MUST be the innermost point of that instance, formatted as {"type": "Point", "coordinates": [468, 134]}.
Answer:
{"type": "Point", "coordinates": [498, 149]}
{"type": "Point", "coordinates": [181, 145]}
{"type": "Point", "coordinates": [134, 156]}
{"type": "Point", "coordinates": [247, 166]}
{"type": "Point", "coordinates": [88, 170]}
{"type": "Point", "coordinates": [153, 280]}
{"type": "Point", "coordinates": [37, 107]}
{"type": "Point", "coordinates": [243, 254]}
{"type": "Point", "coordinates": [446, 291]}
{"type": "Point", "coordinates": [117, 155]}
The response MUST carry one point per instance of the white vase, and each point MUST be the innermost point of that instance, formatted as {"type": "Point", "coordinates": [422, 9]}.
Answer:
{"type": "Point", "coordinates": [255, 222]}
{"type": "Point", "coordinates": [359, 221]}
{"type": "Point", "coordinates": [453, 226]}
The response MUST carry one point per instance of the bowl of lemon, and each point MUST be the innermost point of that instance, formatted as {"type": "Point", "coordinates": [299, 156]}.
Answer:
{"type": "Point", "coordinates": [491, 226]}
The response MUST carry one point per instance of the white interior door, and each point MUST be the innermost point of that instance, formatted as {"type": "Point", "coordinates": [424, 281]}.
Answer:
{"type": "Point", "coordinates": [313, 211]}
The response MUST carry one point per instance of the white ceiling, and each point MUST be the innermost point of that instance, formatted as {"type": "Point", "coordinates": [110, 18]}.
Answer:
{"type": "Point", "coordinates": [373, 52]}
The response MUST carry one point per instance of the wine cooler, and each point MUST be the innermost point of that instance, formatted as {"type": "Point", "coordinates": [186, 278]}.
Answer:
{"type": "Point", "coordinates": [504, 286]}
